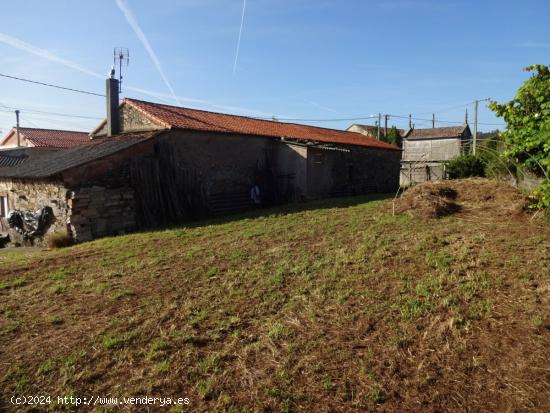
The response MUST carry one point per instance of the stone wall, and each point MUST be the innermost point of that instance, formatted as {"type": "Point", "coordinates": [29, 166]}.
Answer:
{"type": "Point", "coordinates": [375, 170]}
{"type": "Point", "coordinates": [98, 211]}
{"type": "Point", "coordinates": [131, 120]}
{"type": "Point", "coordinates": [228, 163]}
{"type": "Point", "coordinates": [26, 195]}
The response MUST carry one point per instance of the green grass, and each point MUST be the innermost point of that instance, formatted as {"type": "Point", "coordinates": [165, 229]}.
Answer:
{"type": "Point", "coordinates": [328, 306]}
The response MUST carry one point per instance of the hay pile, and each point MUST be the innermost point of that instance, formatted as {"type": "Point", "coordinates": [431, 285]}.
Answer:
{"type": "Point", "coordinates": [473, 195]}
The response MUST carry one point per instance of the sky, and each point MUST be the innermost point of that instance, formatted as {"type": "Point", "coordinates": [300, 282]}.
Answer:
{"type": "Point", "coordinates": [320, 62]}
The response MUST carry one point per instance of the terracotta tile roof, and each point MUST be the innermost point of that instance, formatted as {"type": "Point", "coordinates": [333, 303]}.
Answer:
{"type": "Point", "coordinates": [51, 138]}
{"type": "Point", "coordinates": [46, 162]}
{"type": "Point", "coordinates": [200, 120]}
{"type": "Point", "coordinates": [435, 133]}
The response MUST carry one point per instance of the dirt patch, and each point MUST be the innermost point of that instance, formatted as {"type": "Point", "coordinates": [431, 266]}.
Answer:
{"type": "Point", "coordinates": [467, 196]}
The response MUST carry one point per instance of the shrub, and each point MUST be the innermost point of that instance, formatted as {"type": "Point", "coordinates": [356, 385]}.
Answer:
{"type": "Point", "coordinates": [465, 166]}
{"type": "Point", "coordinates": [59, 240]}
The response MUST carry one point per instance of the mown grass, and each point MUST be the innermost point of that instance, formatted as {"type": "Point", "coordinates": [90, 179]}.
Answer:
{"type": "Point", "coordinates": [338, 306]}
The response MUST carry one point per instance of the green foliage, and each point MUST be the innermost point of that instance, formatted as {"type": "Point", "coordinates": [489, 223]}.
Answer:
{"type": "Point", "coordinates": [527, 137]}
{"type": "Point", "coordinates": [491, 150]}
{"type": "Point", "coordinates": [465, 166]}
{"type": "Point", "coordinates": [393, 137]}
{"type": "Point", "coordinates": [541, 196]}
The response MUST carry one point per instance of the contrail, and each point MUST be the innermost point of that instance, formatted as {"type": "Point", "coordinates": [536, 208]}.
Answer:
{"type": "Point", "coordinates": [46, 54]}
{"type": "Point", "coordinates": [239, 40]}
{"type": "Point", "coordinates": [139, 33]}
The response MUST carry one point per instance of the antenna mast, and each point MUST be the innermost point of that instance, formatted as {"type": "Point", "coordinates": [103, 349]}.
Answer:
{"type": "Point", "coordinates": [121, 55]}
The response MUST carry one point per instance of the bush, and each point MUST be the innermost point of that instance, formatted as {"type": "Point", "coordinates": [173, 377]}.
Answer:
{"type": "Point", "coordinates": [59, 240]}
{"type": "Point", "coordinates": [465, 166]}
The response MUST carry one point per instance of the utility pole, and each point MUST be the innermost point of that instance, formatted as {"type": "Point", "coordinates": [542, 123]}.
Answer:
{"type": "Point", "coordinates": [17, 127]}
{"type": "Point", "coordinates": [386, 116]}
{"type": "Point", "coordinates": [466, 117]}
{"type": "Point", "coordinates": [433, 120]}
{"type": "Point", "coordinates": [476, 106]}
{"type": "Point", "coordinates": [410, 121]}
{"type": "Point", "coordinates": [379, 122]}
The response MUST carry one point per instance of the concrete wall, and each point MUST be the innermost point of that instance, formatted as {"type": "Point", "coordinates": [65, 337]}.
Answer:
{"type": "Point", "coordinates": [11, 140]}
{"type": "Point", "coordinates": [27, 195]}
{"type": "Point", "coordinates": [290, 162]}
{"type": "Point", "coordinates": [355, 171]}
{"type": "Point", "coordinates": [326, 172]}
{"type": "Point", "coordinates": [431, 149]}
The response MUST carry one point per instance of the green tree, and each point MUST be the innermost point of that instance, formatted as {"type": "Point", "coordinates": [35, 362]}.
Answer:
{"type": "Point", "coordinates": [393, 137]}
{"type": "Point", "coordinates": [527, 138]}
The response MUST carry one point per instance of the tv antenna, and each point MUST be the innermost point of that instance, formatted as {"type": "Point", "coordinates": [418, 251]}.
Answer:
{"type": "Point", "coordinates": [121, 55]}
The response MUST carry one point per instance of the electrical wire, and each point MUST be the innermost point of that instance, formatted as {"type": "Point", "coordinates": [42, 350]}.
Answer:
{"type": "Point", "coordinates": [261, 118]}
{"type": "Point", "coordinates": [275, 118]}
{"type": "Point", "coordinates": [52, 85]}
{"type": "Point", "coordinates": [41, 112]}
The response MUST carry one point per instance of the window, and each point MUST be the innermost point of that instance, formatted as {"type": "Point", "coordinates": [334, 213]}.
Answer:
{"type": "Point", "coordinates": [3, 206]}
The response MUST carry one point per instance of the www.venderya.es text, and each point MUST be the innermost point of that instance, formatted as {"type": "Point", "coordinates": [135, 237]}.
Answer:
{"type": "Point", "coordinates": [98, 401]}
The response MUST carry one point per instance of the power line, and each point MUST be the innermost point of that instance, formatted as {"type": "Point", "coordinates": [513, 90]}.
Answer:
{"type": "Point", "coordinates": [444, 121]}
{"type": "Point", "coordinates": [41, 112]}
{"type": "Point", "coordinates": [315, 120]}
{"type": "Point", "coordinates": [52, 85]}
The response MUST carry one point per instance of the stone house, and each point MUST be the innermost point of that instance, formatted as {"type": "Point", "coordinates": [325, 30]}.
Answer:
{"type": "Point", "coordinates": [150, 165]}
{"type": "Point", "coordinates": [44, 138]}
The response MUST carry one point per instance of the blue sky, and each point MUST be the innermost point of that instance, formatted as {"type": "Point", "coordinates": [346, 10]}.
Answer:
{"type": "Point", "coordinates": [303, 59]}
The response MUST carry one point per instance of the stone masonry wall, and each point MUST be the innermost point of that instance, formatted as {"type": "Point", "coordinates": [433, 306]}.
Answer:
{"type": "Point", "coordinates": [32, 195]}
{"type": "Point", "coordinates": [131, 120]}
{"type": "Point", "coordinates": [97, 212]}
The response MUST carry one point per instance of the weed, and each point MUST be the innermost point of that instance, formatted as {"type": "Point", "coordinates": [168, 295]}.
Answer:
{"type": "Point", "coordinates": [327, 383]}
{"type": "Point", "coordinates": [47, 367]}
{"type": "Point", "coordinates": [14, 283]}
{"type": "Point", "coordinates": [205, 388]}
{"type": "Point", "coordinates": [112, 341]}
{"type": "Point", "coordinates": [377, 395]}
{"type": "Point", "coordinates": [276, 330]}
{"type": "Point", "coordinates": [210, 363]}
{"type": "Point", "coordinates": [162, 366]}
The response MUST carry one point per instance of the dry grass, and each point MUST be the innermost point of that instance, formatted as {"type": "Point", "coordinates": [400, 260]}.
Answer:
{"type": "Point", "coordinates": [59, 240]}
{"type": "Point", "coordinates": [479, 195]}
{"type": "Point", "coordinates": [339, 308]}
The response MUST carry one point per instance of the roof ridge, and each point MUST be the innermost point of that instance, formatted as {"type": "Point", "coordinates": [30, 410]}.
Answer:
{"type": "Point", "coordinates": [51, 130]}
{"type": "Point", "coordinates": [242, 116]}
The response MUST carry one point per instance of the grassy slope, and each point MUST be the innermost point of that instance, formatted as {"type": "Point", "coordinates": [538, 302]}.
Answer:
{"type": "Point", "coordinates": [340, 308]}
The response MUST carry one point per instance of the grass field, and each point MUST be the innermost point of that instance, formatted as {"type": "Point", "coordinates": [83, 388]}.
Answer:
{"type": "Point", "coordinates": [337, 307]}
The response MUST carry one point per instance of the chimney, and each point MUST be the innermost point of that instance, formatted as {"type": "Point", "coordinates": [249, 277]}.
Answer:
{"type": "Point", "coordinates": [113, 121]}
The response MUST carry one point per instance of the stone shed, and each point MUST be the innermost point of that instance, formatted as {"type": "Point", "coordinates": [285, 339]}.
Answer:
{"type": "Point", "coordinates": [150, 165]}
{"type": "Point", "coordinates": [87, 188]}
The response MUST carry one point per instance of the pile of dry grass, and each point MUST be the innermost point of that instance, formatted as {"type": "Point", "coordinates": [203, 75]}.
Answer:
{"type": "Point", "coordinates": [473, 195]}
{"type": "Point", "coordinates": [59, 240]}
